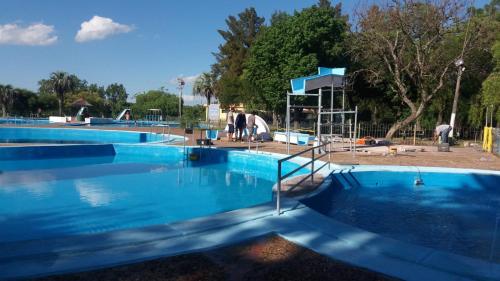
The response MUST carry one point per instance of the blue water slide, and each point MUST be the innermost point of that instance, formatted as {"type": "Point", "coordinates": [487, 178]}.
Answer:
{"type": "Point", "coordinates": [326, 77]}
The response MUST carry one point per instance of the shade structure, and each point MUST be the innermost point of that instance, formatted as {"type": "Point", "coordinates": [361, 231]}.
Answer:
{"type": "Point", "coordinates": [81, 102]}
{"type": "Point", "coordinates": [326, 77]}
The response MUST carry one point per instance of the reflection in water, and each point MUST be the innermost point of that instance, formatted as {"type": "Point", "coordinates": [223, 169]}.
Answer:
{"type": "Point", "coordinates": [82, 196]}
{"type": "Point", "coordinates": [92, 193]}
{"type": "Point", "coordinates": [36, 184]}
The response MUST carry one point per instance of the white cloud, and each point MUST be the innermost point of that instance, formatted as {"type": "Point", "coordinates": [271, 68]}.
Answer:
{"type": "Point", "coordinates": [98, 28]}
{"type": "Point", "coordinates": [32, 35]}
{"type": "Point", "coordinates": [192, 100]}
{"type": "Point", "coordinates": [187, 79]}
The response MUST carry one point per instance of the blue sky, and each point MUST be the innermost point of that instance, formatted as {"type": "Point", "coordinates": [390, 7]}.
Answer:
{"type": "Point", "coordinates": [141, 44]}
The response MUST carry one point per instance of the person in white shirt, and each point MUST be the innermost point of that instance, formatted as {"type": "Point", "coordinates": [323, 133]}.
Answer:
{"type": "Point", "coordinates": [230, 124]}
{"type": "Point", "coordinates": [442, 131]}
{"type": "Point", "coordinates": [251, 125]}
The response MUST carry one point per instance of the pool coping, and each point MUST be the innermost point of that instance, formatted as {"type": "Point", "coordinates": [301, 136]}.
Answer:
{"type": "Point", "coordinates": [298, 224]}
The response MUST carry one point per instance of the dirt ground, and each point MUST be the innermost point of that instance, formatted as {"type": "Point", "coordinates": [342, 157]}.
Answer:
{"type": "Point", "coordinates": [268, 258]}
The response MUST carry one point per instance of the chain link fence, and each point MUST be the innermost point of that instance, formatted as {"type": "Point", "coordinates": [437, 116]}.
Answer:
{"type": "Point", "coordinates": [411, 134]}
{"type": "Point", "coordinates": [496, 141]}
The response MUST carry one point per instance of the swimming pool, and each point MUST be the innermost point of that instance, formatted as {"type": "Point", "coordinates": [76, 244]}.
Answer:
{"type": "Point", "coordinates": [56, 191]}
{"type": "Point", "coordinates": [455, 211]}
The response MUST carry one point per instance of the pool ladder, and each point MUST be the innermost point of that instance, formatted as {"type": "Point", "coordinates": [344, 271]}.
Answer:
{"type": "Point", "coordinates": [314, 157]}
{"type": "Point", "coordinates": [164, 127]}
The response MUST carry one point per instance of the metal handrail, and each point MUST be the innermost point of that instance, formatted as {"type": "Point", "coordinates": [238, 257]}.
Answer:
{"type": "Point", "coordinates": [311, 162]}
{"type": "Point", "coordinates": [163, 126]}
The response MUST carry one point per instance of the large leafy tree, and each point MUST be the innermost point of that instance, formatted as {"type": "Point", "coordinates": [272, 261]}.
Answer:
{"type": "Point", "coordinates": [61, 83]}
{"type": "Point", "coordinates": [491, 86]}
{"type": "Point", "coordinates": [239, 37]}
{"type": "Point", "coordinates": [157, 99]}
{"type": "Point", "coordinates": [204, 86]}
{"type": "Point", "coordinates": [406, 46]}
{"type": "Point", "coordinates": [6, 98]}
{"type": "Point", "coordinates": [294, 46]}
{"type": "Point", "coordinates": [116, 96]}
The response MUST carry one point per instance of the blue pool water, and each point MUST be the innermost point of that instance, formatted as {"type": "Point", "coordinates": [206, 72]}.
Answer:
{"type": "Point", "coordinates": [453, 212]}
{"type": "Point", "coordinates": [130, 186]}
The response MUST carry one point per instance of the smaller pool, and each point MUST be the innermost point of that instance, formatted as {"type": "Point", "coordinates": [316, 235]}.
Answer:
{"type": "Point", "coordinates": [81, 136]}
{"type": "Point", "coordinates": [453, 211]}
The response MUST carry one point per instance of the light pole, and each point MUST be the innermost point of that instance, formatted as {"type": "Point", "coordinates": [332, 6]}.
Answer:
{"type": "Point", "coordinates": [180, 86]}
{"type": "Point", "coordinates": [459, 63]}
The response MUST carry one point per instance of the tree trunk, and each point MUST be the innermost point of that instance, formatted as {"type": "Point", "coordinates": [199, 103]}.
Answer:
{"type": "Point", "coordinates": [440, 117]}
{"type": "Point", "coordinates": [374, 113]}
{"type": "Point", "coordinates": [61, 102]}
{"type": "Point", "coordinates": [296, 118]}
{"type": "Point", "coordinates": [4, 110]}
{"type": "Point", "coordinates": [412, 117]}
{"type": "Point", "coordinates": [275, 120]}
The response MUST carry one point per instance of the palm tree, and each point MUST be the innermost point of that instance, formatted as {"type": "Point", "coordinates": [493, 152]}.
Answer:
{"type": "Point", "coordinates": [61, 83]}
{"type": "Point", "coordinates": [204, 86]}
{"type": "Point", "coordinates": [6, 97]}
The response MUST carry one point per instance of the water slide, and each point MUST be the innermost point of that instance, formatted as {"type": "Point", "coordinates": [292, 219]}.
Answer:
{"type": "Point", "coordinates": [122, 114]}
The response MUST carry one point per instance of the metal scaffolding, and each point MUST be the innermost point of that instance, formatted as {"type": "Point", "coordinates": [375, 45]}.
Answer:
{"type": "Point", "coordinates": [330, 80]}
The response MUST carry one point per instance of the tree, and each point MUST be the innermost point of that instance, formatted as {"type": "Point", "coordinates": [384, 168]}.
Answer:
{"type": "Point", "coordinates": [204, 85]}
{"type": "Point", "coordinates": [294, 46]}
{"type": "Point", "coordinates": [61, 83]}
{"type": "Point", "coordinates": [491, 86]}
{"type": "Point", "coordinates": [158, 99]}
{"type": "Point", "coordinates": [6, 98]}
{"type": "Point", "coordinates": [116, 96]}
{"type": "Point", "coordinates": [406, 46]}
{"type": "Point", "coordinates": [239, 37]}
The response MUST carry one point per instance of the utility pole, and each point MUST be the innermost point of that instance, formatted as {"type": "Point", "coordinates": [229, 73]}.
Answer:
{"type": "Point", "coordinates": [180, 86]}
{"type": "Point", "coordinates": [459, 63]}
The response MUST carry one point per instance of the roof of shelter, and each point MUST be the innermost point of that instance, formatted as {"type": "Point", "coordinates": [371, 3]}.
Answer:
{"type": "Point", "coordinates": [326, 77]}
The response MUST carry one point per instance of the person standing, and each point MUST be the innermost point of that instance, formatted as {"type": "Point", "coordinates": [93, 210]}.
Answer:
{"type": "Point", "coordinates": [251, 125]}
{"type": "Point", "coordinates": [241, 123]}
{"type": "Point", "coordinates": [230, 124]}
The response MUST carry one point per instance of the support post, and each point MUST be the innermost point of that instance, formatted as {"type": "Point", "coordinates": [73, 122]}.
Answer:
{"type": "Point", "coordinates": [455, 99]}
{"type": "Point", "coordinates": [355, 124]}
{"type": "Point", "coordinates": [278, 190]}
{"type": "Point", "coordinates": [312, 165]}
{"type": "Point", "coordinates": [343, 108]}
{"type": "Point", "coordinates": [319, 117]}
{"type": "Point", "coordinates": [331, 114]}
{"type": "Point", "coordinates": [288, 123]}
{"type": "Point", "coordinates": [414, 134]}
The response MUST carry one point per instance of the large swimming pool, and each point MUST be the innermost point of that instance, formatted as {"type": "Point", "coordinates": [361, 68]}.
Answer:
{"type": "Point", "coordinates": [57, 191]}
{"type": "Point", "coordinates": [456, 211]}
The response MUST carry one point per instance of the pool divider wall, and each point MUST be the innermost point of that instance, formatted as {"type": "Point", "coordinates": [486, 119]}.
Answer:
{"type": "Point", "coordinates": [236, 158]}
{"type": "Point", "coordinates": [85, 135]}
{"type": "Point", "coordinates": [55, 151]}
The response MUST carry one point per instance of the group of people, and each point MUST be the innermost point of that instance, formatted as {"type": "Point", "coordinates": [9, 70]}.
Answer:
{"type": "Point", "coordinates": [237, 125]}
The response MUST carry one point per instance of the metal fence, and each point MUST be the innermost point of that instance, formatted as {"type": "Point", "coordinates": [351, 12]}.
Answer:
{"type": "Point", "coordinates": [496, 141]}
{"type": "Point", "coordinates": [406, 135]}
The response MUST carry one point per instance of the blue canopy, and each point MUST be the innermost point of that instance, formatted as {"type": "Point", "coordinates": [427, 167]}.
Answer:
{"type": "Point", "coordinates": [326, 77]}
